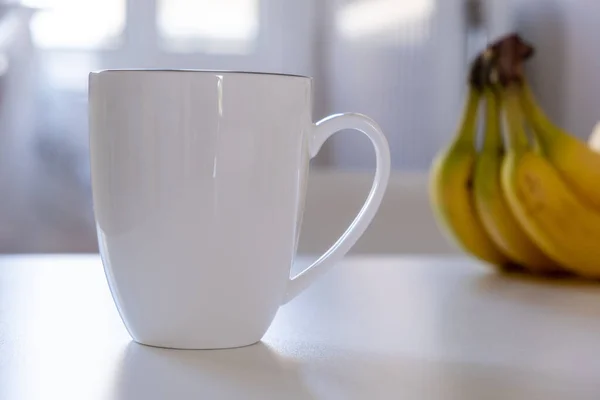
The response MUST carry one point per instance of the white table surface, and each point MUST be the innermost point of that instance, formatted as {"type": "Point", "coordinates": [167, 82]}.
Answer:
{"type": "Point", "coordinates": [374, 328]}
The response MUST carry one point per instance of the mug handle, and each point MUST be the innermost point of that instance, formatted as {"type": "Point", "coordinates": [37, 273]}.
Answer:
{"type": "Point", "coordinates": [322, 131]}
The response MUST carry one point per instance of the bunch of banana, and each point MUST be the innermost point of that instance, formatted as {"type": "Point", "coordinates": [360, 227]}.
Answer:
{"type": "Point", "coordinates": [546, 190]}
{"type": "Point", "coordinates": [451, 190]}
{"type": "Point", "coordinates": [529, 198]}
{"type": "Point", "coordinates": [466, 193]}
{"type": "Point", "coordinates": [492, 207]}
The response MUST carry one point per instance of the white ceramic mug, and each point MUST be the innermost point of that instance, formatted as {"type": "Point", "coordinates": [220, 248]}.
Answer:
{"type": "Point", "coordinates": [199, 180]}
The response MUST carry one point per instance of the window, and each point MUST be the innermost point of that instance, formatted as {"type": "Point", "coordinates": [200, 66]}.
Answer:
{"type": "Point", "coordinates": [213, 26]}
{"type": "Point", "coordinates": [77, 24]}
{"type": "Point", "coordinates": [369, 18]}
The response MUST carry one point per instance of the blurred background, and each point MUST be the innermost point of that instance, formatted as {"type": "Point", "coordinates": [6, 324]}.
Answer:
{"type": "Point", "coordinates": [403, 62]}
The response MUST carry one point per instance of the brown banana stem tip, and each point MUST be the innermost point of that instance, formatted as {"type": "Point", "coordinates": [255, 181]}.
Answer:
{"type": "Point", "coordinates": [502, 62]}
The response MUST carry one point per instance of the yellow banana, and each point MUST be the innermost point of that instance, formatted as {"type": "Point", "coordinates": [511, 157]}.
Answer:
{"type": "Point", "coordinates": [577, 163]}
{"type": "Point", "coordinates": [492, 208]}
{"type": "Point", "coordinates": [564, 227]}
{"type": "Point", "coordinates": [451, 191]}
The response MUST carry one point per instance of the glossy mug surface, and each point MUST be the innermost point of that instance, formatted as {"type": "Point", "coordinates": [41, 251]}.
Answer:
{"type": "Point", "coordinates": [199, 180]}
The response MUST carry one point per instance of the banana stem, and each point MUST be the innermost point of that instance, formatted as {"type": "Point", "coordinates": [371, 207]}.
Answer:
{"type": "Point", "coordinates": [468, 125]}
{"type": "Point", "coordinates": [493, 139]}
{"type": "Point", "coordinates": [516, 135]}
{"type": "Point", "coordinates": [536, 116]}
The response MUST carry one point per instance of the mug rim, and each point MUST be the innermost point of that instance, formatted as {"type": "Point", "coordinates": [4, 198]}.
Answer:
{"type": "Point", "coordinates": [203, 71]}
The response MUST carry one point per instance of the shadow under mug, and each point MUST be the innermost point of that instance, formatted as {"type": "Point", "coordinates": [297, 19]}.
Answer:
{"type": "Point", "coordinates": [253, 372]}
{"type": "Point", "coordinates": [199, 180]}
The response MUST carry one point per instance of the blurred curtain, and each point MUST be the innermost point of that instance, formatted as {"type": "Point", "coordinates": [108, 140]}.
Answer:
{"type": "Point", "coordinates": [402, 63]}
{"type": "Point", "coordinates": [17, 69]}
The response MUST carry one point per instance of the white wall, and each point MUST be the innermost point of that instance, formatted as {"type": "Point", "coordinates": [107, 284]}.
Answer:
{"type": "Point", "coordinates": [408, 76]}
{"type": "Point", "coordinates": [565, 70]}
